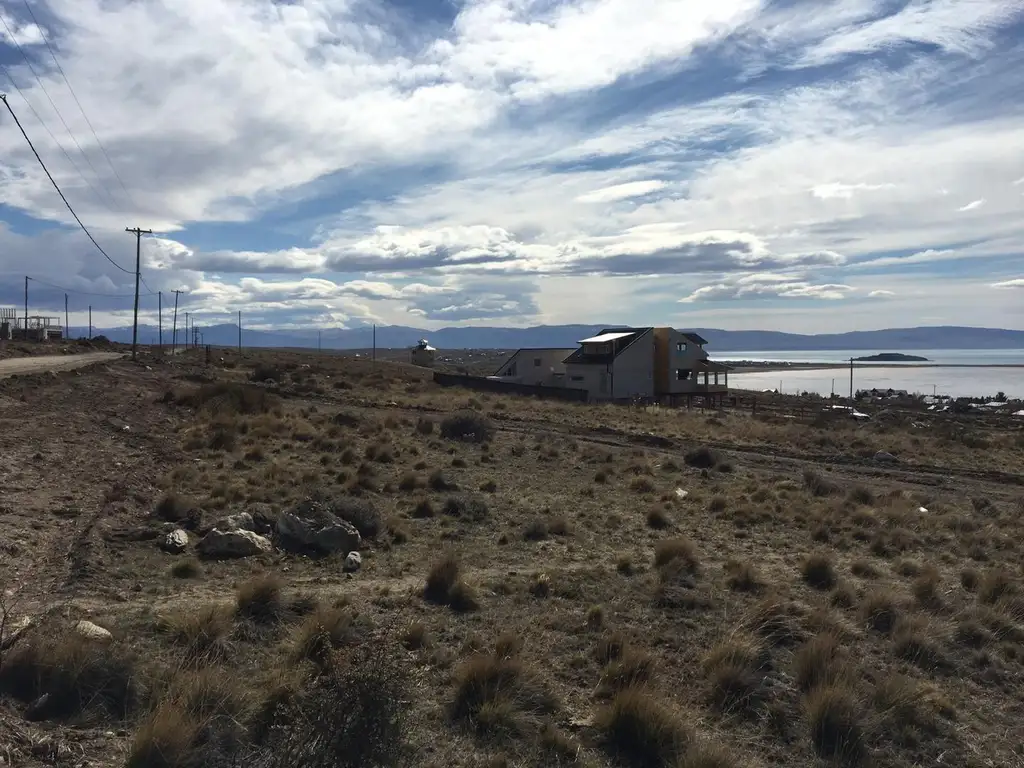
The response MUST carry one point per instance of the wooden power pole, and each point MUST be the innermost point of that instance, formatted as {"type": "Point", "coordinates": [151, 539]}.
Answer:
{"type": "Point", "coordinates": [174, 326]}
{"type": "Point", "coordinates": [160, 319]}
{"type": "Point", "coordinates": [138, 274]}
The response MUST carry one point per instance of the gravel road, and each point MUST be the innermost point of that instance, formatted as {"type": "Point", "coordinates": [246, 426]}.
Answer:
{"type": "Point", "coordinates": [53, 363]}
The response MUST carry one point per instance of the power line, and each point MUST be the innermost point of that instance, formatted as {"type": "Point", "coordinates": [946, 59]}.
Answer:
{"type": "Point", "coordinates": [74, 95]}
{"type": "Point", "coordinates": [60, 117]}
{"type": "Point", "coordinates": [151, 291]}
{"type": "Point", "coordinates": [84, 293]}
{"type": "Point", "coordinates": [50, 177]}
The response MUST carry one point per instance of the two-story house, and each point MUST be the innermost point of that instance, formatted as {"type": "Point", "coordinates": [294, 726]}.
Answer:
{"type": "Point", "coordinates": [660, 364]}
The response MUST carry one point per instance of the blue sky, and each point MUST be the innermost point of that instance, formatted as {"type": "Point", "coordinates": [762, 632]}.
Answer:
{"type": "Point", "coordinates": [785, 164]}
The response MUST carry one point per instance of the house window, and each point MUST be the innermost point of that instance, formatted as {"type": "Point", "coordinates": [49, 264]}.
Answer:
{"type": "Point", "coordinates": [511, 370]}
{"type": "Point", "coordinates": [681, 346]}
{"type": "Point", "coordinates": [536, 362]}
{"type": "Point", "coordinates": [683, 374]}
{"type": "Point", "coordinates": [576, 378]}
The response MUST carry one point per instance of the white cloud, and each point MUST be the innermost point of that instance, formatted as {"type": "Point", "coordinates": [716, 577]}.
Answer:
{"type": "Point", "coordinates": [622, 191]}
{"type": "Point", "coordinates": [844, 191]}
{"type": "Point", "coordinates": [768, 286]}
{"type": "Point", "coordinates": [1017, 283]}
{"type": "Point", "coordinates": [972, 206]}
{"type": "Point", "coordinates": [13, 33]}
{"type": "Point", "coordinates": [881, 294]}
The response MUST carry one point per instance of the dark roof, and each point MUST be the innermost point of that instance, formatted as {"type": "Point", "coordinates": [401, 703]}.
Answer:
{"type": "Point", "coordinates": [696, 338]}
{"type": "Point", "coordinates": [579, 358]}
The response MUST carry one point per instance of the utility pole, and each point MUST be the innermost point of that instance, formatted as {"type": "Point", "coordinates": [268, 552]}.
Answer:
{"type": "Point", "coordinates": [186, 330]}
{"type": "Point", "coordinates": [374, 357]}
{"type": "Point", "coordinates": [851, 379]}
{"type": "Point", "coordinates": [67, 325]}
{"type": "Point", "coordinates": [90, 321]}
{"type": "Point", "coordinates": [160, 318]}
{"type": "Point", "coordinates": [174, 327]}
{"type": "Point", "coordinates": [26, 307]}
{"type": "Point", "coordinates": [138, 274]}
{"type": "Point", "coordinates": [318, 349]}
{"type": "Point", "coordinates": [239, 334]}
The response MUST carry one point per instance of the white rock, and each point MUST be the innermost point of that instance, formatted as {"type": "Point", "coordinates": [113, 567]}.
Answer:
{"type": "Point", "coordinates": [353, 562]}
{"type": "Point", "coordinates": [239, 522]}
{"type": "Point", "coordinates": [13, 630]}
{"type": "Point", "coordinates": [224, 544]}
{"type": "Point", "coordinates": [923, 510]}
{"type": "Point", "coordinates": [681, 494]}
{"type": "Point", "coordinates": [885, 456]}
{"type": "Point", "coordinates": [176, 541]}
{"type": "Point", "coordinates": [92, 631]}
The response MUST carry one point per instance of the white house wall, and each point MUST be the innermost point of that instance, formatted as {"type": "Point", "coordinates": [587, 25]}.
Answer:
{"type": "Point", "coordinates": [537, 367]}
{"type": "Point", "coordinates": [634, 369]}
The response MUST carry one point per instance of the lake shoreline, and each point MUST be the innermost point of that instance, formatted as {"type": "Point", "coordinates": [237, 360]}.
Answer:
{"type": "Point", "coordinates": [773, 367]}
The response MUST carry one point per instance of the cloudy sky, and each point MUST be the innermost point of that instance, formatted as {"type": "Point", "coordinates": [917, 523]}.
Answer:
{"type": "Point", "coordinates": [802, 165]}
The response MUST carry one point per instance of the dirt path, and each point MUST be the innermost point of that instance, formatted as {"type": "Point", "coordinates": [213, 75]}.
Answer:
{"type": "Point", "coordinates": [22, 365]}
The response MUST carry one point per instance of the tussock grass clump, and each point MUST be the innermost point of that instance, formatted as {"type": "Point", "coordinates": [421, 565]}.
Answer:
{"type": "Point", "coordinates": [323, 631]}
{"type": "Point", "coordinates": [438, 482]}
{"type": "Point", "coordinates": [818, 485]}
{"type": "Point", "coordinates": [201, 633]}
{"type": "Point", "coordinates": [861, 494]}
{"type": "Point", "coordinates": [423, 509]}
{"type": "Point", "coordinates": [642, 484]}
{"type": "Point", "coordinates": [734, 670]}
{"type": "Point", "coordinates": [416, 636]}
{"type": "Point", "coordinates": [642, 730]}
{"type": "Point", "coordinates": [610, 647]}
{"type": "Point", "coordinates": [994, 585]}
{"type": "Point", "coordinates": [188, 568]}
{"type": "Point", "coordinates": [925, 587]}
{"type": "Point", "coordinates": [743, 576]}
{"type": "Point", "coordinates": [630, 667]}
{"type": "Point", "coordinates": [819, 572]}
{"type": "Point", "coordinates": [912, 641]}
{"type": "Point", "coordinates": [173, 508]}
{"type": "Point", "coordinates": [470, 508]}
{"type": "Point", "coordinates": [261, 600]}
{"type": "Point", "coordinates": [467, 426]}
{"type": "Point", "coordinates": [424, 426]}
{"type": "Point", "coordinates": [263, 373]}
{"type": "Point", "coordinates": [778, 622]}
{"type": "Point", "coordinates": [536, 530]}
{"type": "Point", "coordinates": [677, 553]}
{"type": "Point", "coordinates": [230, 398]}
{"type": "Point", "coordinates": [836, 723]}
{"type": "Point", "coordinates": [880, 610]}
{"type": "Point", "coordinates": [819, 662]}
{"type": "Point", "coordinates": [500, 695]}
{"type": "Point", "coordinates": [444, 586]}
{"type": "Point", "coordinates": [864, 569]}
{"type": "Point", "coordinates": [78, 676]}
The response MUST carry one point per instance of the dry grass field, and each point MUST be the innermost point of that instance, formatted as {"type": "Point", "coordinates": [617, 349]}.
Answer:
{"type": "Point", "coordinates": [541, 583]}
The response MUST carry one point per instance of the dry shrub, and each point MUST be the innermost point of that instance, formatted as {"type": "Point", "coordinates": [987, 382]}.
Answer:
{"type": "Point", "coordinates": [557, 744]}
{"type": "Point", "coordinates": [467, 426]}
{"type": "Point", "coordinates": [836, 723]}
{"type": "Point", "coordinates": [202, 633]}
{"type": "Point", "coordinates": [658, 519]}
{"type": "Point", "coordinates": [423, 509]}
{"type": "Point", "coordinates": [642, 730]}
{"type": "Point", "coordinates": [819, 572]}
{"type": "Point", "coordinates": [743, 576]}
{"type": "Point", "coordinates": [230, 398]}
{"type": "Point", "coordinates": [912, 641]}
{"type": "Point", "coordinates": [416, 636]}
{"type": "Point", "coordinates": [610, 647]}
{"type": "Point", "coordinates": [880, 610]}
{"type": "Point", "coordinates": [261, 600]}
{"type": "Point", "coordinates": [861, 494]}
{"type": "Point", "coordinates": [77, 676]}
{"type": "Point", "coordinates": [630, 668]}
{"type": "Point", "coordinates": [702, 458]}
{"type": "Point", "coordinates": [925, 587]}
{"type": "Point", "coordinates": [469, 508]}
{"type": "Point", "coordinates": [559, 526]}
{"type": "Point", "coordinates": [188, 568]}
{"type": "Point", "coordinates": [969, 579]}
{"type": "Point", "coordinates": [779, 623]}
{"type": "Point", "coordinates": [351, 715]}
{"type": "Point", "coordinates": [905, 704]}
{"type": "Point", "coordinates": [843, 596]}
{"type": "Point", "coordinates": [735, 670]}
{"type": "Point", "coordinates": [500, 694]}
{"type": "Point", "coordinates": [536, 530]}
{"type": "Point", "coordinates": [677, 552]}
{"type": "Point", "coordinates": [168, 738]}
{"type": "Point", "coordinates": [995, 585]}
{"type": "Point", "coordinates": [642, 484]}
{"type": "Point", "coordinates": [173, 508]}
{"type": "Point", "coordinates": [819, 485]}
{"type": "Point", "coordinates": [438, 482]}
{"type": "Point", "coordinates": [409, 482]}
{"type": "Point", "coordinates": [323, 631]}
{"type": "Point", "coordinates": [864, 569]}
{"type": "Point", "coordinates": [445, 587]}
{"type": "Point", "coordinates": [424, 426]}
{"type": "Point", "coordinates": [819, 662]}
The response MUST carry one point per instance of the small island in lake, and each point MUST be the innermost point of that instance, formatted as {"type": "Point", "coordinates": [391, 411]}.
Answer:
{"type": "Point", "coordinates": [891, 357]}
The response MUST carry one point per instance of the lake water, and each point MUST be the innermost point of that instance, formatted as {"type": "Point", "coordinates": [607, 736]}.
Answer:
{"type": "Point", "coordinates": [925, 379]}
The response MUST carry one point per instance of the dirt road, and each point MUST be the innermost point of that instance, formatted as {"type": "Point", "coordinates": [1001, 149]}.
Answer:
{"type": "Point", "coordinates": [21, 365]}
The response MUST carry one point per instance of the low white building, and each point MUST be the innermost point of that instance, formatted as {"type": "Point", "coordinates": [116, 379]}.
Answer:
{"type": "Point", "coordinates": [542, 367]}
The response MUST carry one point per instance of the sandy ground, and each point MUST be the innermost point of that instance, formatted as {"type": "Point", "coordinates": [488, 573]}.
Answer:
{"type": "Point", "coordinates": [23, 365]}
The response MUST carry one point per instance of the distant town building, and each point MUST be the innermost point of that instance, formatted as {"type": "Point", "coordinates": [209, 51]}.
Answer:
{"type": "Point", "coordinates": [422, 354]}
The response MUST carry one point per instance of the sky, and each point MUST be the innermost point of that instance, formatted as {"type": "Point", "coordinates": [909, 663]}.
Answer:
{"type": "Point", "coordinates": [796, 165]}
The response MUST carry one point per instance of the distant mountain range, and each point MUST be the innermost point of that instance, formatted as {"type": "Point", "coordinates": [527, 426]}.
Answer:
{"type": "Point", "coordinates": [719, 341]}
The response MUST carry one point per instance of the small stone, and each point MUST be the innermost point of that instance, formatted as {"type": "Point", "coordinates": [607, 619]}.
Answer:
{"type": "Point", "coordinates": [353, 562]}
{"type": "Point", "coordinates": [92, 631]}
{"type": "Point", "coordinates": [885, 456]}
{"type": "Point", "coordinates": [176, 541]}
{"type": "Point", "coordinates": [239, 522]}
{"type": "Point", "coordinates": [13, 631]}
